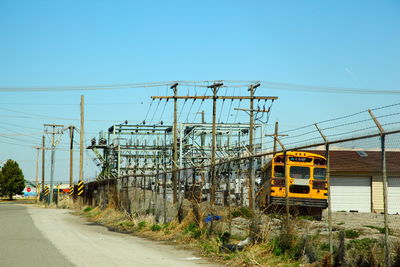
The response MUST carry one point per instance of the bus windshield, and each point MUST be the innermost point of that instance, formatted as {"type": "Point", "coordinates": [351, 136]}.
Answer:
{"type": "Point", "coordinates": [319, 173]}
{"type": "Point", "coordinates": [279, 171]}
{"type": "Point", "coordinates": [300, 172]}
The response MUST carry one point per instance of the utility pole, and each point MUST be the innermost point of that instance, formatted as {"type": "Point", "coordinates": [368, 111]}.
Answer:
{"type": "Point", "coordinates": [175, 145]}
{"type": "Point", "coordinates": [37, 172]}
{"type": "Point", "coordinates": [71, 155]}
{"type": "Point", "coordinates": [81, 141]}
{"type": "Point", "coordinates": [215, 88]}
{"type": "Point", "coordinates": [43, 161]}
{"type": "Point", "coordinates": [251, 148]}
{"type": "Point", "coordinates": [276, 134]}
{"type": "Point", "coordinates": [55, 130]}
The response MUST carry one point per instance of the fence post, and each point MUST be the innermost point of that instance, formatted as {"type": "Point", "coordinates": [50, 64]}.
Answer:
{"type": "Point", "coordinates": [385, 203]}
{"type": "Point", "coordinates": [328, 181]}
{"type": "Point", "coordinates": [384, 181]}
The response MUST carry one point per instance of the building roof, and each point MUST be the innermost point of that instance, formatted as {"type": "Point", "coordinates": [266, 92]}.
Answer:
{"type": "Point", "coordinates": [361, 161]}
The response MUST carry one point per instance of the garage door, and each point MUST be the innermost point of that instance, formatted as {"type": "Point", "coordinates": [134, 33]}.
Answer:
{"type": "Point", "coordinates": [351, 193]}
{"type": "Point", "coordinates": [393, 195]}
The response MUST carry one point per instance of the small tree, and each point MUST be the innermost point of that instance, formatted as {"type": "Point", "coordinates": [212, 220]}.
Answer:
{"type": "Point", "coordinates": [11, 179]}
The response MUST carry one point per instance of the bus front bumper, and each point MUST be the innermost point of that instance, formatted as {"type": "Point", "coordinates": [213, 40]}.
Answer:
{"type": "Point", "coordinates": [302, 202]}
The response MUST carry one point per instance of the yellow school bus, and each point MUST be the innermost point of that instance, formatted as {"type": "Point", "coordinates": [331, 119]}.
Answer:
{"type": "Point", "coordinates": [305, 176]}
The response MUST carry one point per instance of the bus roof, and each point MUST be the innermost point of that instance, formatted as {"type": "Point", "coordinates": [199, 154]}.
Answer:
{"type": "Point", "coordinates": [300, 154]}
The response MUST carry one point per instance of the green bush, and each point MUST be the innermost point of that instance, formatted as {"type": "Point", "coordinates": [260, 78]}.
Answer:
{"type": "Point", "coordinates": [349, 233]}
{"type": "Point", "coordinates": [380, 229]}
{"type": "Point", "coordinates": [155, 227]}
{"type": "Point", "coordinates": [141, 225]}
{"type": "Point", "coordinates": [87, 209]}
{"type": "Point", "coordinates": [324, 246]}
{"type": "Point", "coordinates": [362, 244]}
{"type": "Point", "coordinates": [191, 227]}
{"type": "Point", "coordinates": [193, 230]}
{"type": "Point", "coordinates": [276, 247]}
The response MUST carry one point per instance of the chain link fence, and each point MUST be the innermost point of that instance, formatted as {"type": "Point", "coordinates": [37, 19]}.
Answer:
{"type": "Point", "coordinates": [361, 224]}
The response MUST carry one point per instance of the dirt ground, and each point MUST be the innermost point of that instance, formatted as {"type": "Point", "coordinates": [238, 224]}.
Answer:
{"type": "Point", "coordinates": [367, 224]}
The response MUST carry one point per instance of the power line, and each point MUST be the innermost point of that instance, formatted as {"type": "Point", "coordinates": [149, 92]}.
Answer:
{"type": "Point", "coordinates": [204, 84]}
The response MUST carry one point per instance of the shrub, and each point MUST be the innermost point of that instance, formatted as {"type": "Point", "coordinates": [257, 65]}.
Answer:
{"type": "Point", "coordinates": [193, 230]}
{"type": "Point", "coordinates": [349, 233]}
{"type": "Point", "coordinates": [87, 209]}
{"type": "Point", "coordinates": [141, 225]}
{"type": "Point", "coordinates": [324, 246]}
{"type": "Point", "coordinates": [380, 229]}
{"type": "Point", "coordinates": [276, 247]}
{"type": "Point", "coordinates": [191, 227]}
{"type": "Point", "coordinates": [155, 227]}
{"type": "Point", "coordinates": [362, 244]}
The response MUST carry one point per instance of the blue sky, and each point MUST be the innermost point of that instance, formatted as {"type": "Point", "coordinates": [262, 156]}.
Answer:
{"type": "Point", "coordinates": [63, 43]}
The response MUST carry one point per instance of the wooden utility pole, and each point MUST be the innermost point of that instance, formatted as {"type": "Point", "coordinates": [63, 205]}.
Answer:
{"type": "Point", "coordinates": [71, 155]}
{"type": "Point", "coordinates": [215, 88]}
{"type": "Point", "coordinates": [175, 146]}
{"type": "Point", "coordinates": [37, 172]}
{"type": "Point", "coordinates": [251, 148]}
{"type": "Point", "coordinates": [43, 161]}
{"type": "Point", "coordinates": [276, 134]}
{"type": "Point", "coordinates": [81, 141]}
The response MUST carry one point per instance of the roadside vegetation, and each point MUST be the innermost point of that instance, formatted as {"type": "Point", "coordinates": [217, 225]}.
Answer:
{"type": "Point", "coordinates": [12, 180]}
{"type": "Point", "coordinates": [275, 240]}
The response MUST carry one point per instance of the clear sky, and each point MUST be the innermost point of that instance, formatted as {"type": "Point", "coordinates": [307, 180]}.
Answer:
{"type": "Point", "coordinates": [343, 44]}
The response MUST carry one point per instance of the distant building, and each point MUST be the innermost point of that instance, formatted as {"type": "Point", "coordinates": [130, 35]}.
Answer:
{"type": "Point", "coordinates": [30, 189]}
{"type": "Point", "coordinates": [356, 180]}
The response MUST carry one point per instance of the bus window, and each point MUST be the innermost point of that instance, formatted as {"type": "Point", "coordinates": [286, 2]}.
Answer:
{"type": "Point", "coordinates": [279, 171]}
{"type": "Point", "coordinates": [320, 162]}
{"type": "Point", "coordinates": [300, 172]}
{"type": "Point", "coordinates": [320, 173]}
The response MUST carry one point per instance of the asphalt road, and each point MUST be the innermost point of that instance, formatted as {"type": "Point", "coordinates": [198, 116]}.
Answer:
{"type": "Point", "coordinates": [31, 236]}
{"type": "Point", "coordinates": [22, 244]}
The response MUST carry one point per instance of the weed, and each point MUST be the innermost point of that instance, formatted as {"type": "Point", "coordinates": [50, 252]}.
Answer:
{"type": "Point", "coordinates": [191, 227]}
{"type": "Point", "coordinates": [307, 217]}
{"type": "Point", "coordinates": [242, 212]}
{"type": "Point", "coordinates": [155, 227]}
{"type": "Point", "coordinates": [141, 225]}
{"type": "Point", "coordinates": [324, 246]}
{"type": "Point", "coordinates": [380, 229]}
{"type": "Point", "coordinates": [349, 233]}
{"type": "Point", "coordinates": [87, 209]}
{"type": "Point", "coordinates": [396, 258]}
{"type": "Point", "coordinates": [193, 230]}
{"type": "Point", "coordinates": [276, 247]}
{"type": "Point", "coordinates": [209, 247]}
{"type": "Point", "coordinates": [127, 223]}
{"type": "Point", "coordinates": [361, 244]}
{"type": "Point", "coordinates": [165, 225]}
